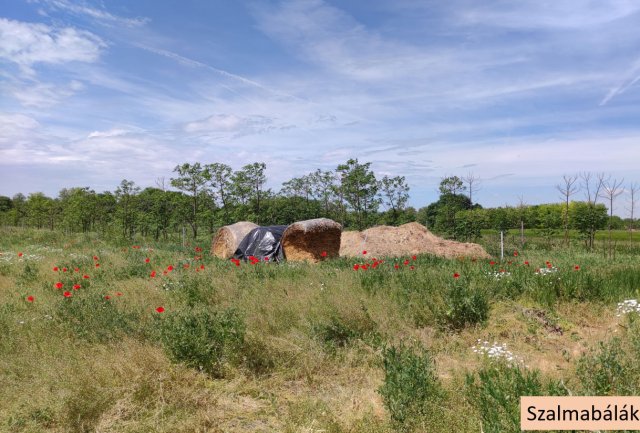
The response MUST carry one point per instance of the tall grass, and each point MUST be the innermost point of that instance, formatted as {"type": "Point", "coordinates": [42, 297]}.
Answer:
{"type": "Point", "coordinates": [297, 347]}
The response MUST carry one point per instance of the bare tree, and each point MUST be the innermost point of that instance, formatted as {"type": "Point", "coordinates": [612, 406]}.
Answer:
{"type": "Point", "coordinates": [160, 183]}
{"type": "Point", "coordinates": [474, 184]}
{"type": "Point", "coordinates": [610, 191]}
{"type": "Point", "coordinates": [566, 190]}
{"type": "Point", "coordinates": [634, 188]}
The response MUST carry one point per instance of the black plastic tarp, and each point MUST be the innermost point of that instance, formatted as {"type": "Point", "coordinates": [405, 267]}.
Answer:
{"type": "Point", "coordinates": [262, 242]}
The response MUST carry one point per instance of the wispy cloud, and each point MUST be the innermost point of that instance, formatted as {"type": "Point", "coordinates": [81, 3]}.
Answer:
{"type": "Point", "coordinates": [631, 77]}
{"type": "Point", "coordinates": [82, 8]}
{"type": "Point", "coordinates": [26, 44]}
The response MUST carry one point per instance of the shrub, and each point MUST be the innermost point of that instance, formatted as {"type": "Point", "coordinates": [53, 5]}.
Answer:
{"type": "Point", "coordinates": [410, 385]}
{"type": "Point", "coordinates": [495, 392]}
{"type": "Point", "coordinates": [463, 307]}
{"type": "Point", "coordinates": [341, 329]}
{"type": "Point", "coordinates": [202, 339]}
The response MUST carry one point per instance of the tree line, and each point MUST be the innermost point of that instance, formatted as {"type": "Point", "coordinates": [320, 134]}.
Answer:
{"type": "Point", "coordinates": [207, 196]}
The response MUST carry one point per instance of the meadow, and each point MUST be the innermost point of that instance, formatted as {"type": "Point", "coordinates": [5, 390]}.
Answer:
{"type": "Point", "coordinates": [159, 337]}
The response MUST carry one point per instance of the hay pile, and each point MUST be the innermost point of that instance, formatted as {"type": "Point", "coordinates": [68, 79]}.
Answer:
{"type": "Point", "coordinates": [308, 240]}
{"type": "Point", "coordinates": [228, 238]}
{"type": "Point", "coordinates": [408, 239]}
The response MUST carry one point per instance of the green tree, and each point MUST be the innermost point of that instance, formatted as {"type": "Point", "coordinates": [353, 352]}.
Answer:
{"type": "Point", "coordinates": [126, 200]}
{"type": "Point", "coordinates": [324, 187]}
{"type": "Point", "coordinates": [191, 179]}
{"type": "Point", "coordinates": [588, 218]}
{"type": "Point", "coordinates": [452, 185]}
{"type": "Point", "coordinates": [78, 208]}
{"type": "Point", "coordinates": [254, 179]}
{"type": "Point", "coordinates": [359, 189]}
{"type": "Point", "coordinates": [221, 188]}
{"type": "Point", "coordinates": [38, 208]}
{"type": "Point", "coordinates": [395, 193]}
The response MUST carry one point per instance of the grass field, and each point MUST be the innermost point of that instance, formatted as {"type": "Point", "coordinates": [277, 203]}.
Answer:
{"type": "Point", "coordinates": [412, 344]}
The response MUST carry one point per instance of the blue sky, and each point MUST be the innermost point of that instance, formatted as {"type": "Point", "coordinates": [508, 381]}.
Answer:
{"type": "Point", "coordinates": [517, 93]}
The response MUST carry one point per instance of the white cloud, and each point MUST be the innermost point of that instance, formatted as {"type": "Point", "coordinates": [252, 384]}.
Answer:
{"type": "Point", "coordinates": [527, 14]}
{"type": "Point", "coordinates": [233, 126]}
{"type": "Point", "coordinates": [28, 43]}
{"type": "Point", "coordinates": [81, 8]}
{"type": "Point", "coordinates": [43, 95]}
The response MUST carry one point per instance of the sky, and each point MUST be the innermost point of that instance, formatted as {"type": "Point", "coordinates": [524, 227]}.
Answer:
{"type": "Point", "coordinates": [518, 94]}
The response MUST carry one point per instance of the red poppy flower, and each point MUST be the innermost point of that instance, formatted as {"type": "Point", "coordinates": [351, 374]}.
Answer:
{"type": "Point", "coordinates": [30, 298]}
{"type": "Point", "coordinates": [64, 269]}
{"type": "Point", "coordinates": [95, 257]}
{"type": "Point", "coordinates": [55, 269]}
{"type": "Point", "coordinates": [76, 286]}
{"type": "Point", "coordinates": [160, 309]}
{"type": "Point", "coordinates": [323, 254]}
{"type": "Point", "coordinates": [170, 268]}
{"type": "Point", "coordinates": [266, 259]}
{"type": "Point", "coordinates": [526, 263]}
{"type": "Point", "coordinates": [76, 269]}
{"type": "Point", "coordinates": [198, 249]}
{"type": "Point", "coordinates": [576, 267]}
{"type": "Point", "coordinates": [492, 263]}
{"type": "Point", "coordinates": [412, 267]}
{"type": "Point", "coordinates": [356, 267]}
{"type": "Point", "coordinates": [85, 276]}
{"type": "Point", "coordinates": [153, 274]}
{"type": "Point", "coordinates": [456, 275]}
{"type": "Point", "coordinates": [396, 266]}
{"type": "Point", "coordinates": [118, 293]}
{"type": "Point", "coordinates": [201, 266]}
{"type": "Point", "coordinates": [515, 254]}
{"type": "Point", "coordinates": [19, 254]}
{"type": "Point", "coordinates": [147, 260]}
{"type": "Point", "coordinates": [406, 262]}
{"type": "Point", "coordinates": [414, 257]}
{"type": "Point", "coordinates": [365, 266]}
{"type": "Point", "coordinates": [137, 247]}
{"type": "Point", "coordinates": [97, 265]}
{"type": "Point", "coordinates": [59, 285]}
{"type": "Point", "coordinates": [364, 252]}
{"type": "Point", "coordinates": [67, 294]}
{"type": "Point", "coordinates": [107, 297]}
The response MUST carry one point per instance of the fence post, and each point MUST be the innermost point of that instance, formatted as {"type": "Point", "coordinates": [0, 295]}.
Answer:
{"type": "Point", "coordinates": [501, 245]}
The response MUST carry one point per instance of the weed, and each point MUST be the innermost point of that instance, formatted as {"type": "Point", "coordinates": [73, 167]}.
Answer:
{"type": "Point", "coordinates": [410, 386]}
{"type": "Point", "coordinates": [202, 339]}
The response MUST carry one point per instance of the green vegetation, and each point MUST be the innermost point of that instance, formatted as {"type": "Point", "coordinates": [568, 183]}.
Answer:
{"type": "Point", "coordinates": [205, 345]}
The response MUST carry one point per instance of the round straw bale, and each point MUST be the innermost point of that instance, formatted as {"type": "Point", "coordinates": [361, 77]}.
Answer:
{"type": "Point", "coordinates": [308, 240]}
{"type": "Point", "coordinates": [227, 239]}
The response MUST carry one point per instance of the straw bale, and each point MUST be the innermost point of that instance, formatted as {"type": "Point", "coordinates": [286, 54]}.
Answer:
{"type": "Point", "coordinates": [308, 240]}
{"type": "Point", "coordinates": [226, 241]}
